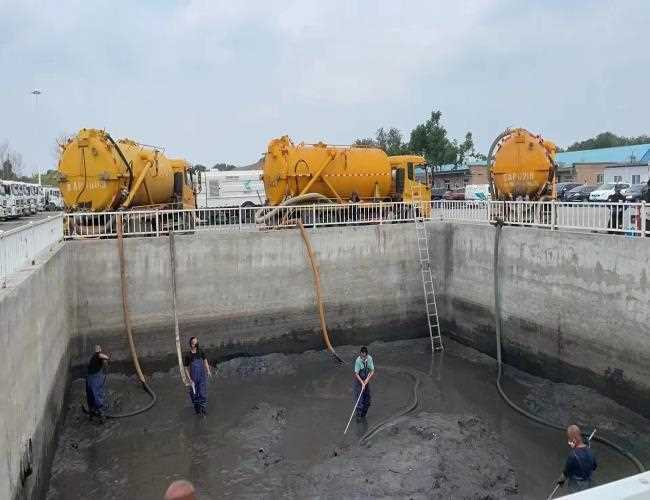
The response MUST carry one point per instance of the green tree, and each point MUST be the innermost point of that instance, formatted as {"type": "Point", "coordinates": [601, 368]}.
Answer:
{"type": "Point", "coordinates": [608, 140]}
{"type": "Point", "coordinates": [430, 140]}
{"type": "Point", "coordinates": [223, 166]}
{"type": "Point", "coordinates": [388, 140]}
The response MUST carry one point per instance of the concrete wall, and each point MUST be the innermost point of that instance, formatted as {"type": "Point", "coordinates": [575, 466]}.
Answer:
{"type": "Point", "coordinates": [36, 322]}
{"type": "Point", "coordinates": [575, 307]}
{"type": "Point", "coordinates": [249, 292]}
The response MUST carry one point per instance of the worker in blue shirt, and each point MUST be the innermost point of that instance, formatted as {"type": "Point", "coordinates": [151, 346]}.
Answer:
{"type": "Point", "coordinates": [364, 369]}
{"type": "Point", "coordinates": [580, 463]}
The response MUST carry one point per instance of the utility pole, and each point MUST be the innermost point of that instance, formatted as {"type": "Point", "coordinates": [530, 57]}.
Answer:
{"type": "Point", "coordinates": [36, 93]}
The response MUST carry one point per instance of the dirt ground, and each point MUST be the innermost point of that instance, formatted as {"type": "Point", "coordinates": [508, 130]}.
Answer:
{"type": "Point", "coordinates": [436, 429]}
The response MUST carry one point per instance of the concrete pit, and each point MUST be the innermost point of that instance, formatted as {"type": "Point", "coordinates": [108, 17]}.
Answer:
{"type": "Point", "coordinates": [275, 428]}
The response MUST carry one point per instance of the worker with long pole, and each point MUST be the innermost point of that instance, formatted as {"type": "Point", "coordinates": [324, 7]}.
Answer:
{"type": "Point", "coordinates": [364, 369]}
{"type": "Point", "coordinates": [580, 464]}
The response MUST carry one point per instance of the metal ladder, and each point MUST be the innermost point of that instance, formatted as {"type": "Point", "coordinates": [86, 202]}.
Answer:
{"type": "Point", "coordinates": [427, 281]}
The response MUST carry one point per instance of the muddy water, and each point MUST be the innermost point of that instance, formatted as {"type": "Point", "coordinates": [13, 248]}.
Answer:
{"type": "Point", "coordinates": [275, 429]}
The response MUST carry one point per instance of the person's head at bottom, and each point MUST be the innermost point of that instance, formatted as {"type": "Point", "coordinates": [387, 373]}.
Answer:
{"type": "Point", "coordinates": [180, 490]}
{"type": "Point", "coordinates": [363, 352]}
{"type": "Point", "coordinates": [574, 436]}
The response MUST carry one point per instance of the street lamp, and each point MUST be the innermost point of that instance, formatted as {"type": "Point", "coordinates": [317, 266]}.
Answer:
{"type": "Point", "coordinates": [36, 93]}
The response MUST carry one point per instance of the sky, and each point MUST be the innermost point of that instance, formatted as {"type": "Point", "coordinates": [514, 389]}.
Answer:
{"type": "Point", "coordinates": [213, 81]}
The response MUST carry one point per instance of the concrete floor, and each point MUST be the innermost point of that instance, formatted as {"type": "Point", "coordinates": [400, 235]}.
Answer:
{"type": "Point", "coordinates": [275, 428]}
{"type": "Point", "coordinates": [7, 224]}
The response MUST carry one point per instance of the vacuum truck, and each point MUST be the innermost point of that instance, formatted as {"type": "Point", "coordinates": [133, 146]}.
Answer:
{"type": "Point", "coordinates": [98, 174]}
{"type": "Point", "coordinates": [340, 173]}
{"type": "Point", "coordinates": [521, 166]}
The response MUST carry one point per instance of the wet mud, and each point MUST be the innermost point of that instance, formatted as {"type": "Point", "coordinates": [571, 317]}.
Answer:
{"type": "Point", "coordinates": [275, 429]}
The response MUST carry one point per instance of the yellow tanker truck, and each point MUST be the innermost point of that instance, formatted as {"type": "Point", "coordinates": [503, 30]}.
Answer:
{"type": "Point", "coordinates": [521, 166]}
{"type": "Point", "coordinates": [339, 173]}
{"type": "Point", "coordinates": [98, 174]}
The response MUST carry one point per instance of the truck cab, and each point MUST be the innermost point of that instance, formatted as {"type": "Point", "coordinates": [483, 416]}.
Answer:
{"type": "Point", "coordinates": [410, 178]}
{"type": "Point", "coordinates": [10, 199]}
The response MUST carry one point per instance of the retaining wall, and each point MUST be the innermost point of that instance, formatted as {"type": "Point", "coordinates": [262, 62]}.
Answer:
{"type": "Point", "coordinates": [575, 306]}
{"type": "Point", "coordinates": [36, 317]}
{"type": "Point", "coordinates": [245, 293]}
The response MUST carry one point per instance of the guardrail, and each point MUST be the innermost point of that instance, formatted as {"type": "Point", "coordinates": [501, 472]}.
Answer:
{"type": "Point", "coordinates": [20, 246]}
{"type": "Point", "coordinates": [617, 218]}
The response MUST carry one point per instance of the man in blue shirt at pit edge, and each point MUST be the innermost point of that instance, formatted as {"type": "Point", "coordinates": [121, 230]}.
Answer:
{"type": "Point", "coordinates": [364, 369]}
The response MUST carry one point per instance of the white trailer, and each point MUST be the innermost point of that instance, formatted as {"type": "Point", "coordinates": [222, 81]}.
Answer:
{"type": "Point", "coordinates": [16, 199]}
{"type": "Point", "coordinates": [232, 188]}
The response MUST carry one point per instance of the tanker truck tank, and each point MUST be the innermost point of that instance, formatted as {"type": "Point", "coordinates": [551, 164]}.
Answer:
{"type": "Point", "coordinates": [337, 172]}
{"type": "Point", "coordinates": [521, 165]}
{"type": "Point", "coordinates": [98, 174]}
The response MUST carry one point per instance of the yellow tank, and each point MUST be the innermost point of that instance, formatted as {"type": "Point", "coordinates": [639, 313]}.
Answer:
{"type": "Point", "coordinates": [98, 174]}
{"type": "Point", "coordinates": [337, 172]}
{"type": "Point", "coordinates": [521, 166]}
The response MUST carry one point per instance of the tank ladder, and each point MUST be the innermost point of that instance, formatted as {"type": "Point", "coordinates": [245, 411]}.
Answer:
{"type": "Point", "coordinates": [427, 281]}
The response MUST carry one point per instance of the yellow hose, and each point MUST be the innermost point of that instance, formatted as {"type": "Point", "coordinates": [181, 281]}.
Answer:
{"type": "Point", "coordinates": [319, 300]}
{"type": "Point", "coordinates": [179, 355]}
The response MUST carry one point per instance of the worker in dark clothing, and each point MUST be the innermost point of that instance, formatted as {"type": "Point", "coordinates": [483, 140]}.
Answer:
{"type": "Point", "coordinates": [580, 464]}
{"type": "Point", "coordinates": [197, 369]}
{"type": "Point", "coordinates": [95, 384]}
{"type": "Point", "coordinates": [364, 369]}
{"type": "Point", "coordinates": [616, 211]}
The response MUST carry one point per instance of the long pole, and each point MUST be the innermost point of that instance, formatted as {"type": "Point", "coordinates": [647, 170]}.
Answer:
{"type": "Point", "coordinates": [354, 409]}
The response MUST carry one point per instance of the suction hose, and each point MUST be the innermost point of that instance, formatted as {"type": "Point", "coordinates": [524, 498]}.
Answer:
{"type": "Point", "coordinates": [265, 214]}
{"type": "Point", "coordinates": [321, 309]}
{"type": "Point", "coordinates": [497, 311]}
{"type": "Point", "coordinates": [129, 333]}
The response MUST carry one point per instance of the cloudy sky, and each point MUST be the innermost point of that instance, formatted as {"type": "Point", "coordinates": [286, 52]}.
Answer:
{"type": "Point", "coordinates": [213, 81]}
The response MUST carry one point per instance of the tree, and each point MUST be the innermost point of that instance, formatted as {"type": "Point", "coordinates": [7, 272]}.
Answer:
{"type": "Point", "coordinates": [608, 140]}
{"type": "Point", "coordinates": [11, 162]}
{"type": "Point", "coordinates": [390, 141]}
{"type": "Point", "coordinates": [223, 166]}
{"type": "Point", "coordinates": [430, 140]}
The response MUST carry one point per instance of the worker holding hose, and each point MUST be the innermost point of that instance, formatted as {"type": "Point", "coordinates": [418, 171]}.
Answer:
{"type": "Point", "coordinates": [96, 383]}
{"type": "Point", "coordinates": [197, 369]}
{"type": "Point", "coordinates": [580, 464]}
{"type": "Point", "coordinates": [364, 369]}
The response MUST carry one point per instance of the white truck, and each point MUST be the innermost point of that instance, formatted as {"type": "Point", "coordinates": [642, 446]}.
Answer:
{"type": "Point", "coordinates": [12, 199]}
{"type": "Point", "coordinates": [53, 200]}
{"type": "Point", "coordinates": [477, 192]}
{"type": "Point", "coordinates": [232, 188]}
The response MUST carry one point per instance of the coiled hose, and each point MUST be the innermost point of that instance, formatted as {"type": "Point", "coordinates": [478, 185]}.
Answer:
{"type": "Point", "coordinates": [497, 312]}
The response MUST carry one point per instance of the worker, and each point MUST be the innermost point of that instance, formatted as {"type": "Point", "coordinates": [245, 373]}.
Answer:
{"type": "Point", "coordinates": [580, 463]}
{"type": "Point", "coordinates": [180, 490]}
{"type": "Point", "coordinates": [95, 384]}
{"type": "Point", "coordinates": [616, 211]}
{"type": "Point", "coordinates": [364, 369]}
{"type": "Point", "coordinates": [198, 370]}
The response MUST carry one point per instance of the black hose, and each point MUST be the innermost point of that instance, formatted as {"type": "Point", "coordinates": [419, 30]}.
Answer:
{"type": "Point", "coordinates": [404, 411]}
{"type": "Point", "coordinates": [122, 157]}
{"type": "Point", "coordinates": [497, 313]}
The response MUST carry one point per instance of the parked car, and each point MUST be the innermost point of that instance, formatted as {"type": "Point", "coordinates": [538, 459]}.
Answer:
{"type": "Point", "coordinates": [634, 193]}
{"type": "Point", "coordinates": [605, 191]}
{"type": "Point", "coordinates": [438, 193]}
{"type": "Point", "coordinates": [455, 194]}
{"type": "Point", "coordinates": [563, 188]}
{"type": "Point", "coordinates": [580, 193]}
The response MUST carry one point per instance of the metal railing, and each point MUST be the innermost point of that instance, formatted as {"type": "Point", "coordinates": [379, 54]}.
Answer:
{"type": "Point", "coordinates": [618, 218]}
{"type": "Point", "coordinates": [20, 246]}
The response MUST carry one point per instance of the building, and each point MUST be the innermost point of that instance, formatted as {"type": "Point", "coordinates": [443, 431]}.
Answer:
{"type": "Point", "coordinates": [630, 174]}
{"type": "Point", "coordinates": [458, 176]}
{"type": "Point", "coordinates": [588, 166]}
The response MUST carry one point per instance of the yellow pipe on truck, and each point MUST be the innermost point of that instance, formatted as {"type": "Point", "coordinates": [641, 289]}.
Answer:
{"type": "Point", "coordinates": [337, 172]}
{"type": "Point", "coordinates": [98, 174]}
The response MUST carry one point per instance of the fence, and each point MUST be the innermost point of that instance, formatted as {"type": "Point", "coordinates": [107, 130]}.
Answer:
{"type": "Point", "coordinates": [20, 246]}
{"type": "Point", "coordinates": [618, 218]}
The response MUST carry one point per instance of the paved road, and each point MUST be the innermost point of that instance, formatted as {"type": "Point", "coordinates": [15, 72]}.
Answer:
{"type": "Point", "coordinates": [6, 225]}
